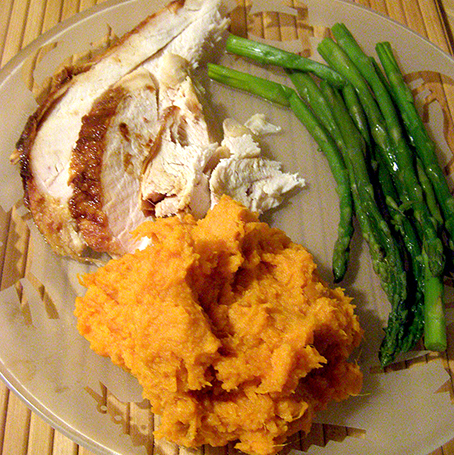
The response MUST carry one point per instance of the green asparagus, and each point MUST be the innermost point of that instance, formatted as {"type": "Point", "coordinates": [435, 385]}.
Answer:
{"type": "Point", "coordinates": [434, 312]}
{"type": "Point", "coordinates": [335, 117]}
{"type": "Point", "coordinates": [385, 252]}
{"type": "Point", "coordinates": [270, 55]}
{"type": "Point", "coordinates": [269, 90]}
{"type": "Point", "coordinates": [406, 321]}
{"type": "Point", "coordinates": [385, 131]}
{"type": "Point", "coordinates": [429, 194]}
{"type": "Point", "coordinates": [356, 112]}
{"type": "Point", "coordinates": [397, 152]}
{"type": "Point", "coordinates": [417, 132]}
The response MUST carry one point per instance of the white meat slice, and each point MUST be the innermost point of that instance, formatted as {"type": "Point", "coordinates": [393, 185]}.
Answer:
{"type": "Point", "coordinates": [51, 134]}
{"type": "Point", "coordinates": [256, 182]}
{"type": "Point", "coordinates": [175, 179]}
{"type": "Point", "coordinates": [115, 139]}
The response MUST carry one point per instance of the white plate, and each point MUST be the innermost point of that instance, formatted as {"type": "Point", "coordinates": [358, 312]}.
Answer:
{"type": "Point", "coordinates": [46, 362]}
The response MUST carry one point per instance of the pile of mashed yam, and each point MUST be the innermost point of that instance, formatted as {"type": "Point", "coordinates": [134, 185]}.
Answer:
{"type": "Point", "coordinates": [228, 328]}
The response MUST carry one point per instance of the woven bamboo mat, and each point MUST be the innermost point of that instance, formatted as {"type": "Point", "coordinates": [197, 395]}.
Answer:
{"type": "Point", "coordinates": [21, 21]}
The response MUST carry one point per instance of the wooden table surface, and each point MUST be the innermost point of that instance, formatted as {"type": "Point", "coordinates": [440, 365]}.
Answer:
{"type": "Point", "coordinates": [21, 21]}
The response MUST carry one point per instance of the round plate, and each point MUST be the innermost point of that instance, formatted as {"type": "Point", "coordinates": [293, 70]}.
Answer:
{"type": "Point", "coordinates": [43, 359]}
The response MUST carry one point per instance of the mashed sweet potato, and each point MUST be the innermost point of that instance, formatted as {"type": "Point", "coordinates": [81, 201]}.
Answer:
{"type": "Point", "coordinates": [228, 328]}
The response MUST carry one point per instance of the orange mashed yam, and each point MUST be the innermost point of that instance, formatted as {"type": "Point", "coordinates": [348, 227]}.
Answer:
{"type": "Point", "coordinates": [228, 328]}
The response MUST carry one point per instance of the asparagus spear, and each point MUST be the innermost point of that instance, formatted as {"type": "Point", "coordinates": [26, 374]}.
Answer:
{"type": "Point", "coordinates": [269, 90]}
{"type": "Point", "coordinates": [385, 131]}
{"type": "Point", "coordinates": [406, 319]}
{"type": "Point", "coordinates": [418, 134]}
{"type": "Point", "coordinates": [429, 193]}
{"type": "Point", "coordinates": [405, 322]}
{"type": "Point", "coordinates": [285, 96]}
{"type": "Point", "coordinates": [385, 252]}
{"type": "Point", "coordinates": [434, 312]}
{"type": "Point", "coordinates": [310, 93]}
{"type": "Point", "coordinates": [356, 112]}
{"type": "Point", "coordinates": [398, 153]}
{"type": "Point", "coordinates": [334, 115]}
{"type": "Point", "coordinates": [266, 54]}
{"type": "Point", "coordinates": [340, 173]}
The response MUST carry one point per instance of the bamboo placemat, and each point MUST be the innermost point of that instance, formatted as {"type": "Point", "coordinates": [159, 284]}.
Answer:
{"type": "Point", "coordinates": [21, 21]}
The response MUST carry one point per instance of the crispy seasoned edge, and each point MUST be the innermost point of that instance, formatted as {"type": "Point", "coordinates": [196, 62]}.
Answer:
{"type": "Point", "coordinates": [48, 215]}
{"type": "Point", "coordinates": [86, 203]}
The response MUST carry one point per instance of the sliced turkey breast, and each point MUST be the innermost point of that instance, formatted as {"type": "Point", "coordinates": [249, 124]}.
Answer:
{"type": "Point", "coordinates": [106, 164]}
{"type": "Point", "coordinates": [54, 131]}
{"type": "Point", "coordinates": [174, 179]}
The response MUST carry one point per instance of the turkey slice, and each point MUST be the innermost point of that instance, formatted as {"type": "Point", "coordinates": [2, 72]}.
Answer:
{"type": "Point", "coordinates": [50, 136]}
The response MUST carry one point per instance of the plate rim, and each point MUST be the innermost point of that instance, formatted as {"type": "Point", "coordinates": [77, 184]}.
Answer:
{"type": "Point", "coordinates": [7, 377]}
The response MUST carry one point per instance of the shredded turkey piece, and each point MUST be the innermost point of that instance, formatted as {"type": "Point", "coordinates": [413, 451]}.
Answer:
{"type": "Point", "coordinates": [228, 328]}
